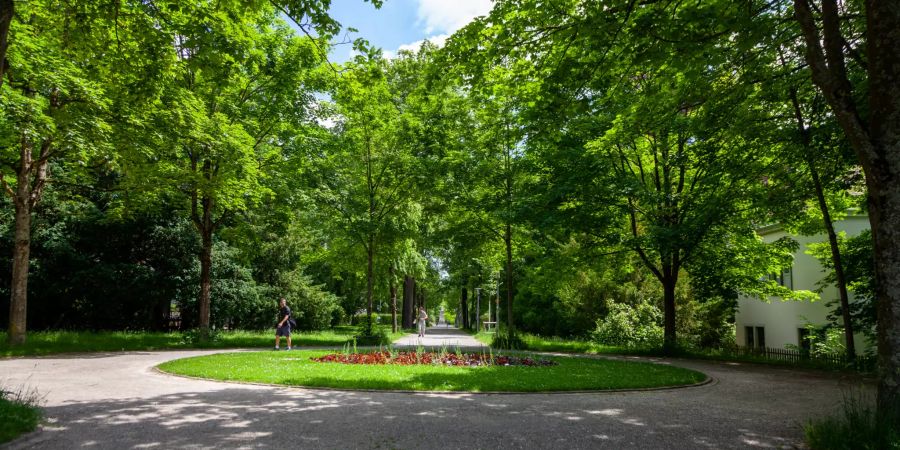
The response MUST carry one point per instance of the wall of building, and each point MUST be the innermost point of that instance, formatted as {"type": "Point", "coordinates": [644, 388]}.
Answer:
{"type": "Point", "coordinates": [782, 319]}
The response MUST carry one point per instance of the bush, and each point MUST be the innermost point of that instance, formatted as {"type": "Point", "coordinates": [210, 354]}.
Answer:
{"type": "Point", "coordinates": [856, 428]}
{"type": "Point", "coordinates": [314, 307]}
{"type": "Point", "coordinates": [507, 341]}
{"type": "Point", "coordinates": [372, 334]}
{"type": "Point", "coordinates": [629, 326]}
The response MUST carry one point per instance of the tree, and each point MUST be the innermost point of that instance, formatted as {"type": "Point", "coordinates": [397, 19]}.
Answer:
{"type": "Point", "coordinates": [868, 110]}
{"type": "Point", "coordinates": [54, 106]}
{"type": "Point", "coordinates": [634, 111]}
{"type": "Point", "coordinates": [239, 95]}
{"type": "Point", "coordinates": [362, 179]}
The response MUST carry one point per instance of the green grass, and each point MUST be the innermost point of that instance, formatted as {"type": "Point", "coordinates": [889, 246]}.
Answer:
{"type": "Point", "coordinates": [52, 342]}
{"type": "Point", "coordinates": [296, 369]}
{"type": "Point", "coordinates": [17, 416]}
{"type": "Point", "coordinates": [556, 344]}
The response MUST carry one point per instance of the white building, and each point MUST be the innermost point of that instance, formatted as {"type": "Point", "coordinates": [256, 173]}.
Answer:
{"type": "Point", "coordinates": [778, 323]}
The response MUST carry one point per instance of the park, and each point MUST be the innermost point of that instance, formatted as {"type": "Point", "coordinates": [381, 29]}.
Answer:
{"type": "Point", "coordinates": [449, 224]}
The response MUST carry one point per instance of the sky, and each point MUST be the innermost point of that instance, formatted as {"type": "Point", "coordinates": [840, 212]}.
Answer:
{"type": "Point", "coordinates": [403, 24]}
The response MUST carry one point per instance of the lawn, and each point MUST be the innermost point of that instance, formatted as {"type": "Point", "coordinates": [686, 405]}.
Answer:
{"type": "Point", "coordinates": [296, 369]}
{"type": "Point", "coordinates": [51, 342]}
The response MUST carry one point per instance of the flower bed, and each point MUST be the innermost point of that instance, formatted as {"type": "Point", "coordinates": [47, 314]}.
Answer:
{"type": "Point", "coordinates": [432, 358]}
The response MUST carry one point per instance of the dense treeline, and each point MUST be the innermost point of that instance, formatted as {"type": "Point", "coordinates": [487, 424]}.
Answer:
{"type": "Point", "coordinates": [588, 170]}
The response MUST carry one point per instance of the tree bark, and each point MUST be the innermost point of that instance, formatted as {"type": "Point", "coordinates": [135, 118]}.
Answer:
{"type": "Point", "coordinates": [840, 278]}
{"type": "Point", "coordinates": [393, 289]}
{"type": "Point", "coordinates": [510, 327]}
{"type": "Point", "coordinates": [370, 279]}
{"type": "Point", "coordinates": [19, 297]}
{"type": "Point", "coordinates": [464, 306]}
{"type": "Point", "coordinates": [670, 339]}
{"type": "Point", "coordinates": [205, 280]}
{"type": "Point", "coordinates": [202, 207]}
{"type": "Point", "coordinates": [409, 285]}
{"type": "Point", "coordinates": [206, 232]}
{"type": "Point", "coordinates": [31, 177]}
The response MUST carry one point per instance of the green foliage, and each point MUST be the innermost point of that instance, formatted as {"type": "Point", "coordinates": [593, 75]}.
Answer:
{"type": "Point", "coordinates": [630, 326]}
{"type": "Point", "coordinates": [859, 271]}
{"type": "Point", "coordinates": [855, 427]}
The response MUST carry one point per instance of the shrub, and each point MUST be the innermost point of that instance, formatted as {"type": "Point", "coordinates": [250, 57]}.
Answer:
{"type": "Point", "coordinates": [630, 326]}
{"type": "Point", "coordinates": [856, 427]}
{"type": "Point", "coordinates": [372, 334]}
{"type": "Point", "coordinates": [507, 341]}
{"type": "Point", "coordinates": [19, 412]}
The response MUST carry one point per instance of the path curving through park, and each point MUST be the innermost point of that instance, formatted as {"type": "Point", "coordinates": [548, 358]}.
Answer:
{"type": "Point", "coordinates": [118, 400]}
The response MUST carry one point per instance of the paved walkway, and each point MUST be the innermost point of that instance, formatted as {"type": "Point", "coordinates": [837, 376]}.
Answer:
{"type": "Point", "coordinates": [117, 401]}
{"type": "Point", "coordinates": [441, 336]}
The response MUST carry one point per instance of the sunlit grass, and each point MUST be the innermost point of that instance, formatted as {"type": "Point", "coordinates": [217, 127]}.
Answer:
{"type": "Point", "coordinates": [296, 369]}
{"type": "Point", "coordinates": [51, 342]}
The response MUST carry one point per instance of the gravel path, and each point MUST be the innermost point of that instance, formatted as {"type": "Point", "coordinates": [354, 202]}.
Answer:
{"type": "Point", "coordinates": [441, 336]}
{"type": "Point", "coordinates": [118, 401]}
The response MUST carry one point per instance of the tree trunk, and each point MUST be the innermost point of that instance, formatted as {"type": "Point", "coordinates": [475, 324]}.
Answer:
{"type": "Point", "coordinates": [7, 10]}
{"type": "Point", "coordinates": [885, 220]}
{"type": "Point", "coordinates": [883, 38]}
{"type": "Point", "coordinates": [206, 232]}
{"type": "Point", "coordinates": [19, 299]}
{"type": "Point", "coordinates": [409, 284]}
{"type": "Point", "coordinates": [829, 226]}
{"type": "Point", "coordinates": [370, 279]}
{"type": "Point", "coordinates": [836, 260]}
{"type": "Point", "coordinates": [509, 281]}
{"type": "Point", "coordinates": [26, 195]}
{"type": "Point", "coordinates": [669, 336]}
{"type": "Point", "coordinates": [464, 307]}
{"type": "Point", "coordinates": [393, 289]}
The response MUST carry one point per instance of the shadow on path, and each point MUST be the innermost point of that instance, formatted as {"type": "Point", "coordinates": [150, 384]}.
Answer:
{"type": "Point", "coordinates": [298, 418]}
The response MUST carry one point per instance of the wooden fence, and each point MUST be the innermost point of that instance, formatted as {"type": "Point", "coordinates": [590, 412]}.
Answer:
{"type": "Point", "coordinates": [864, 363]}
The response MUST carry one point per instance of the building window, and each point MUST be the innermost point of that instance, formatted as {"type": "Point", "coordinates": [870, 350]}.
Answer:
{"type": "Point", "coordinates": [785, 278]}
{"type": "Point", "coordinates": [755, 337]}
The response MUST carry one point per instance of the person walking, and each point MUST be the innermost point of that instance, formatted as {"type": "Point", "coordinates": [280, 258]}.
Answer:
{"type": "Point", "coordinates": [283, 328]}
{"type": "Point", "coordinates": [423, 316]}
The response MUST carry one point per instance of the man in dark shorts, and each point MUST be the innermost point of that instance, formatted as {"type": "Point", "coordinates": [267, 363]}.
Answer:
{"type": "Point", "coordinates": [283, 328]}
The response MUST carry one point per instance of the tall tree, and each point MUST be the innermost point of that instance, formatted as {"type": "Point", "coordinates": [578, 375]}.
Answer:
{"type": "Point", "coordinates": [631, 110]}
{"type": "Point", "coordinates": [53, 106]}
{"type": "Point", "coordinates": [238, 94]}
{"type": "Point", "coordinates": [362, 180]}
{"type": "Point", "coordinates": [868, 110]}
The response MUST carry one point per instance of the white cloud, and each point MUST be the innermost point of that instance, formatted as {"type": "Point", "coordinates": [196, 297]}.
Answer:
{"type": "Point", "coordinates": [447, 16]}
{"type": "Point", "coordinates": [438, 40]}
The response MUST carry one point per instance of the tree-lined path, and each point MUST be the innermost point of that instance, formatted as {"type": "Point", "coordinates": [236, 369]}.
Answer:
{"type": "Point", "coordinates": [441, 336]}
{"type": "Point", "coordinates": [119, 401]}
